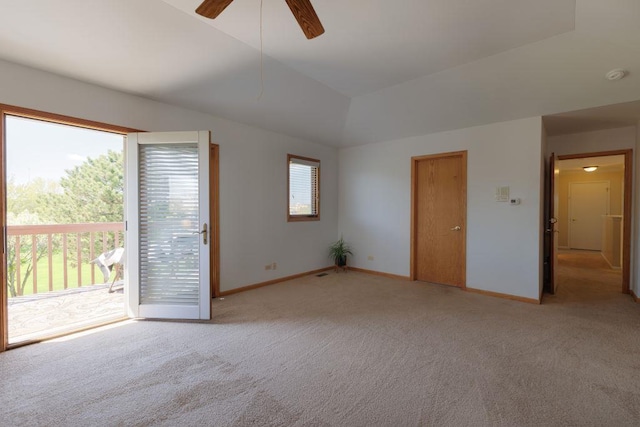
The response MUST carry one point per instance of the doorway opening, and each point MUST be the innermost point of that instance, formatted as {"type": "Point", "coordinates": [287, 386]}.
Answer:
{"type": "Point", "coordinates": [592, 220]}
{"type": "Point", "coordinates": [63, 216]}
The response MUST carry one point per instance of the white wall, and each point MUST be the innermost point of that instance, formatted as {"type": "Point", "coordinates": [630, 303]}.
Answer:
{"type": "Point", "coordinates": [591, 142]}
{"type": "Point", "coordinates": [253, 172]}
{"type": "Point", "coordinates": [503, 241]}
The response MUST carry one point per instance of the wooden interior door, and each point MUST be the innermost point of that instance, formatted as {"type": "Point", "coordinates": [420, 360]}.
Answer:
{"type": "Point", "coordinates": [439, 210]}
{"type": "Point", "coordinates": [551, 232]}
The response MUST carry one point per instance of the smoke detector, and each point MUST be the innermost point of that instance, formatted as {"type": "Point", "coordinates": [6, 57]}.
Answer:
{"type": "Point", "coordinates": [616, 74]}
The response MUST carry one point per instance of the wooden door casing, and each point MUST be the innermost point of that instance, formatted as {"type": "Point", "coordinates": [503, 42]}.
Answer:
{"type": "Point", "coordinates": [48, 117]}
{"type": "Point", "coordinates": [439, 196]}
{"type": "Point", "coordinates": [626, 210]}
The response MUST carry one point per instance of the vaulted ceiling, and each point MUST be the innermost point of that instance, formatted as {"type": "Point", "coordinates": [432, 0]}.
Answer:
{"type": "Point", "coordinates": [383, 70]}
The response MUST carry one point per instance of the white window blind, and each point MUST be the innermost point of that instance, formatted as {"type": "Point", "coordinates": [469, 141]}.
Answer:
{"type": "Point", "coordinates": [304, 191]}
{"type": "Point", "coordinates": [169, 224]}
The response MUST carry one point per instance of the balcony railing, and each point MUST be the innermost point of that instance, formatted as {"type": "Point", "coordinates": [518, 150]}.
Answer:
{"type": "Point", "coordinates": [54, 254]}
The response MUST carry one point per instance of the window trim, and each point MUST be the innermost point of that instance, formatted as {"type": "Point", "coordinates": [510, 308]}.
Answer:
{"type": "Point", "coordinates": [299, 218]}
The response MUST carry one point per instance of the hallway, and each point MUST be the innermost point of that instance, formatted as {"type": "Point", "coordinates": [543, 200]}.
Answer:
{"type": "Point", "coordinates": [585, 278]}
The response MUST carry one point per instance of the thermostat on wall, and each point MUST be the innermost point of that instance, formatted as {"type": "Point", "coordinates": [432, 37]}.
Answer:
{"type": "Point", "coordinates": [502, 194]}
{"type": "Point", "coordinates": [514, 201]}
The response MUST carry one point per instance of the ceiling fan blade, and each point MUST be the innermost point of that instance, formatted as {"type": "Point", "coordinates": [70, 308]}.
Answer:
{"type": "Point", "coordinates": [306, 17]}
{"type": "Point", "coordinates": [212, 8]}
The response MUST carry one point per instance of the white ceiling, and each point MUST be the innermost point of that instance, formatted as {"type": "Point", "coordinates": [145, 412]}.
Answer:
{"type": "Point", "coordinates": [373, 44]}
{"type": "Point", "coordinates": [383, 70]}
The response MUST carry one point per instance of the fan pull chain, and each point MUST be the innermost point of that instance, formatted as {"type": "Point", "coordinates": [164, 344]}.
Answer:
{"type": "Point", "coordinates": [261, 57]}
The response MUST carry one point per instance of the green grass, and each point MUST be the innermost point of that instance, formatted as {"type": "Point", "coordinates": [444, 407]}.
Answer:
{"type": "Point", "coordinates": [58, 275]}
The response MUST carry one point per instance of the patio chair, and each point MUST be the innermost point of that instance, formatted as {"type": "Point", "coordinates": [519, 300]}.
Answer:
{"type": "Point", "coordinates": [107, 261]}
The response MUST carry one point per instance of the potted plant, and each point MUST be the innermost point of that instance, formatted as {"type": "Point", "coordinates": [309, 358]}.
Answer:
{"type": "Point", "coordinates": [338, 252]}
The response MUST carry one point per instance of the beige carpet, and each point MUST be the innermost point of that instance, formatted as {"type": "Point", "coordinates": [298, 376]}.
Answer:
{"type": "Point", "coordinates": [347, 349]}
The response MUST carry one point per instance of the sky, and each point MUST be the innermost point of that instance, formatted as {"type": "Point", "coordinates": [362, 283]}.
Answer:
{"type": "Point", "coordinates": [41, 149]}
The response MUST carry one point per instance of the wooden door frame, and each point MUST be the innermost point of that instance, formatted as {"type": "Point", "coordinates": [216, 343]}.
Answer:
{"type": "Point", "coordinates": [626, 209]}
{"type": "Point", "coordinates": [12, 110]}
{"type": "Point", "coordinates": [214, 217]}
{"type": "Point", "coordinates": [414, 189]}
{"type": "Point", "coordinates": [105, 127]}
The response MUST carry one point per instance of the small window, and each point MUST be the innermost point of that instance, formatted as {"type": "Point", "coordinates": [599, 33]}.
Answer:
{"type": "Point", "coordinates": [304, 188]}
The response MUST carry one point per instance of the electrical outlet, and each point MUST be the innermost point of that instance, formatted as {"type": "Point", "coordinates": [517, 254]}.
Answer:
{"type": "Point", "coordinates": [267, 267]}
{"type": "Point", "coordinates": [274, 266]}
{"type": "Point", "coordinates": [370, 257]}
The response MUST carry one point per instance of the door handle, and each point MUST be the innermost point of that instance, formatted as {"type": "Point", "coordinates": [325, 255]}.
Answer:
{"type": "Point", "coordinates": [456, 228]}
{"type": "Point", "coordinates": [203, 232]}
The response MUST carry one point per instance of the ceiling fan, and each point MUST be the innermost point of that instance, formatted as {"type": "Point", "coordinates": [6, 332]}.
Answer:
{"type": "Point", "coordinates": [301, 9]}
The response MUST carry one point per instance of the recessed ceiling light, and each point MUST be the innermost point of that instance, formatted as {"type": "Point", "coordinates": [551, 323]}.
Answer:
{"type": "Point", "coordinates": [590, 168]}
{"type": "Point", "coordinates": [616, 74]}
